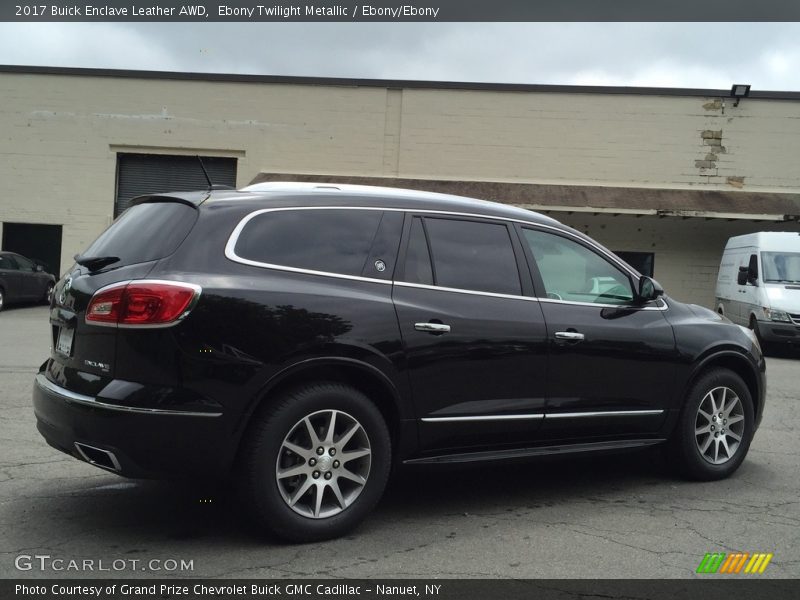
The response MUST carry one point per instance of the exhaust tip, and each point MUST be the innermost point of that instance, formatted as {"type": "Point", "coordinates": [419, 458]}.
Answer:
{"type": "Point", "coordinates": [98, 457]}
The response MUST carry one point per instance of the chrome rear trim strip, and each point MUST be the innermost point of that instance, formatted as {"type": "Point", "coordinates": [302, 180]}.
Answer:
{"type": "Point", "coordinates": [482, 418]}
{"type": "Point", "coordinates": [604, 413]}
{"type": "Point", "coordinates": [69, 396]}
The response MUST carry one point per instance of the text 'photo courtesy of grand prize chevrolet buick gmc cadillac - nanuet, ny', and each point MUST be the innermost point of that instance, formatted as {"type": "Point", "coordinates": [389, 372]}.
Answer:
{"type": "Point", "coordinates": [304, 339]}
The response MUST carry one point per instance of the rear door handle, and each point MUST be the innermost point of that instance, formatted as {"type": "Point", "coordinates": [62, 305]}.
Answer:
{"type": "Point", "coordinates": [432, 327]}
{"type": "Point", "coordinates": [572, 336]}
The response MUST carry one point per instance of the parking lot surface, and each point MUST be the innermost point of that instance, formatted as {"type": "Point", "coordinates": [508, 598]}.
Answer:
{"type": "Point", "coordinates": [617, 516]}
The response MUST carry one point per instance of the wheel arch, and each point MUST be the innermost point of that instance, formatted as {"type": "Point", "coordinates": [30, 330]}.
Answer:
{"type": "Point", "coordinates": [733, 361]}
{"type": "Point", "coordinates": [366, 378]}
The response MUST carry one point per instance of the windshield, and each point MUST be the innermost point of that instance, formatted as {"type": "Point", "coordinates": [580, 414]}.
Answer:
{"type": "Point", "coordinates": [781, 267]}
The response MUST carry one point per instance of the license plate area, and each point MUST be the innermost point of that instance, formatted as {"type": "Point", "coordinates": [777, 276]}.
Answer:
{"type": "Point", "coordinates": [66, 336]}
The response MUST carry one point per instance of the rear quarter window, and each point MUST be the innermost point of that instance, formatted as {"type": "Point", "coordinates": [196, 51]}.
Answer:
{"type": "Point", "coordinates": [328, 240]}
{"type": "Point", "coordinates": [145, 232]}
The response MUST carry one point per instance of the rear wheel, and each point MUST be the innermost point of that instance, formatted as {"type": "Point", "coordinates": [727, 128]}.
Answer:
{"type": "Point", "coordinates": [715, 427]}
{"type": "Point", "coordinates": [2, 298]}
{"type": "Point", "coordinates": [315, 462]}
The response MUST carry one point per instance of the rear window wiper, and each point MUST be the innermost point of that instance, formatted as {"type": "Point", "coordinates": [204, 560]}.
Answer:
{"type": "Point", "coordinates": [95, 263]}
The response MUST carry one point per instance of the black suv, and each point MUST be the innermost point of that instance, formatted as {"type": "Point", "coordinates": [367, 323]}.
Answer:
{"type": "Point", "coordinates": [305, 338]}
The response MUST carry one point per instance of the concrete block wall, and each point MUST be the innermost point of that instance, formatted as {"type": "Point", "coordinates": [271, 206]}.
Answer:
{"type": "Point", "coordinates": [60, 134]}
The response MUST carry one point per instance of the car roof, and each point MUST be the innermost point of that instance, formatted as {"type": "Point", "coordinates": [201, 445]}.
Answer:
{"type": "Point", "coordinates": [323, 194]}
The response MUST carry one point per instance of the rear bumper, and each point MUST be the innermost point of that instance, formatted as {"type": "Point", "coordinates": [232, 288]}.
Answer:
{"type": "Point", "coordinates": [132, 441]}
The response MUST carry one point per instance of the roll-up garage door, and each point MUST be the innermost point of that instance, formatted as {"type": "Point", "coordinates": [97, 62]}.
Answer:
{"type": "Point", "coordinates": [139, 174]}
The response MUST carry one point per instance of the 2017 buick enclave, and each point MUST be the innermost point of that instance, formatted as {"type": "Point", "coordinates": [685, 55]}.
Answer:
{"type": "Point", "coordinates": [307, 337]}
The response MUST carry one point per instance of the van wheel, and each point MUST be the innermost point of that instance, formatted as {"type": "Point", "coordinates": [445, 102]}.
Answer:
{"type": "Point", "coordinates": [2, 298]}
{"type": "Point", "coordinates": [315, 462]}
{"type": "Point", "coordinates": [715, 427]}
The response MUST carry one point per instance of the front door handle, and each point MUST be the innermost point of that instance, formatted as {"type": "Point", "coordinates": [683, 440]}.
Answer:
{"type": "Point", "coordinates": [572, 336]}
{"type": "Point", "coordinates": [432, 327]}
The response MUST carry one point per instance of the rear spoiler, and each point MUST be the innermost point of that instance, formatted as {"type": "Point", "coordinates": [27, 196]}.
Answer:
{"type": "Point", "coordinates": [193, 199]}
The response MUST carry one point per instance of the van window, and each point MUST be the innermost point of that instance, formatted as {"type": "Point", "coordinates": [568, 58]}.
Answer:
{"type": "Point", "coordinates": [781, 267]}
{"type": "Point", "coordinates": [473, 256]}
{"type": "Point", "coordinates": [328, 240]}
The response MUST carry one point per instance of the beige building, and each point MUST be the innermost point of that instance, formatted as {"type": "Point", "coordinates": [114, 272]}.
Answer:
{"type": "Point", "coordinates": [663, 176]}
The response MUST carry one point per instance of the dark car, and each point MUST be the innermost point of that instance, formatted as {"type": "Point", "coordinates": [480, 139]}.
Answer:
{"type": "Point", "coordinates": [306, 338]}
{"type": "Point", "coordinates": [23, 280]}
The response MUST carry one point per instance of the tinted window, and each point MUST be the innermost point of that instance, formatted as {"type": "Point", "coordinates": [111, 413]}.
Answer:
{"type": "Point", "coordinates": [7, 262]}
{"type": "Point", "coordinates": [331, 240]}
{"type": "Point", "coordinates": [473, 256]}
{"type": "Point", "coordinates": [571, 271]}
{"type": "Point", "coordinates": [145, 232]}
{"type": "Point", "coordinates": [418, 259]}
{"type": "Point", "coordinates": [24, 264]}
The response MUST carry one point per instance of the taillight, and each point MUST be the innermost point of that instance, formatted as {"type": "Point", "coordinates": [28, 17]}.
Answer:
{"type": "Point", "coordinates": [142, 303]}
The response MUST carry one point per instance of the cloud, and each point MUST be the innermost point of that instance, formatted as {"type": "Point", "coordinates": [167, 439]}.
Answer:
{"type": "Point", "coordinates": [706, 55]}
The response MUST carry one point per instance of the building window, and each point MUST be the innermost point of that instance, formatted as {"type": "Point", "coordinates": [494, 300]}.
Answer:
{"type": "Point", "coordinates": [643, 262]}
{"type": "Point", "coordinates": [139, 174]}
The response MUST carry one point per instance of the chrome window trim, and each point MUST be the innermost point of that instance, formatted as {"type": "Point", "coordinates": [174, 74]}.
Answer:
{"type": "Point", "coordinates": [604, 413]}
{"type": "Point", "coordinates": [197, 291]}
{"type": "Point", "coordinates": [531, 416]}
{"type": "Point", "coordinates": [663, 306]}
{"type": "Point", "coordinates": [69, 396]}
{"type": "Point", "coordinates": [439, 288]}
{"type": "Point", "coordinates": [230, 252]}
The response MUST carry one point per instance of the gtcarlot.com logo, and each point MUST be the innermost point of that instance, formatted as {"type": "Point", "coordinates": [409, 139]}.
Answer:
{"type": "Point", "coordinates": [734, 563]}
{"type": "Point", "coordinates": [45, 562]}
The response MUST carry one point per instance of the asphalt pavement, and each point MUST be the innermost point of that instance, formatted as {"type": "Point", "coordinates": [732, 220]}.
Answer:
{"type": "Point", "coordinates": [612, 517]}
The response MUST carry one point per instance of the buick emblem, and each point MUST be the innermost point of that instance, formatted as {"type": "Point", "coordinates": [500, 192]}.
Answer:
{"type": "Point", "coordinates": [65, 290]}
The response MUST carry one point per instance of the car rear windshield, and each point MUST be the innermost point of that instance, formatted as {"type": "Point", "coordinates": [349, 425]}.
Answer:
{"type": "Point", "coordinates": [145, 232]}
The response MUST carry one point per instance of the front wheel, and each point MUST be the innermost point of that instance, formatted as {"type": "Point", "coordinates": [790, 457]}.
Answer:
{"type": "Point", "coordinates": [315, 462]}
{"type": "Point", "coordinates": [715, 427]}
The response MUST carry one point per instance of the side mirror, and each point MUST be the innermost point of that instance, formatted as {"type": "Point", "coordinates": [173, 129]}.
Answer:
{"type": "Point", "coordinates": [649, 289]}
{"type": "Point", "coordinates": [39, 268]}
{"type": "Point", "coordinates": [747, 275]}
{"type": "Point", "coordinates": [741, 276]}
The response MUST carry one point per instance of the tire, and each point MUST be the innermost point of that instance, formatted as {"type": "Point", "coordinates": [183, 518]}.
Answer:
{"type": "Point", "coordinates": [693, 451]}
{"type": "Point", "coordinates": [2, 298]}
{"type": "Point", "coordinates": [273, 476]}
{"type": "Point", "coordinates": [754, 327]}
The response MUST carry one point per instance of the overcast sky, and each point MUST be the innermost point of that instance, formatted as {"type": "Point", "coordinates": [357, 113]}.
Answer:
{"type": "Point", "coordinates": [705, 55]}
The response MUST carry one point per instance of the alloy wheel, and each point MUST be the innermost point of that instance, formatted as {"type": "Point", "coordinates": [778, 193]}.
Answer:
{"type": "Point", "coordinates": [323, 464]}
{"type": "Point", "coordinates": [719, 425]}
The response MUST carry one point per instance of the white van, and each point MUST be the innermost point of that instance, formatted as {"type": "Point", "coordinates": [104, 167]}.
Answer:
{"type": "Point", "coordinates": [759, 284]}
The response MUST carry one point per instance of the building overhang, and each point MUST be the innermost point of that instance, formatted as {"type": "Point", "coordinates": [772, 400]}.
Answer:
{"type": "Point", "coordinates": [599, 200]}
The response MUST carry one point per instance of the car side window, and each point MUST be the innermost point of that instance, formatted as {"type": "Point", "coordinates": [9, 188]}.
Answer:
{"type": "Point", "coordinates": [418, 258]}
{"type": "Point", "coordinates": [8, 263]}
{"type": "Point", "coordinates": [473, 255]}
{"type": "Point", "coordinates": [24, 264]}
{"type": "Point", "coordinates": [572, 272]}
{"type": "Point", "coordinates": [328, 240]}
